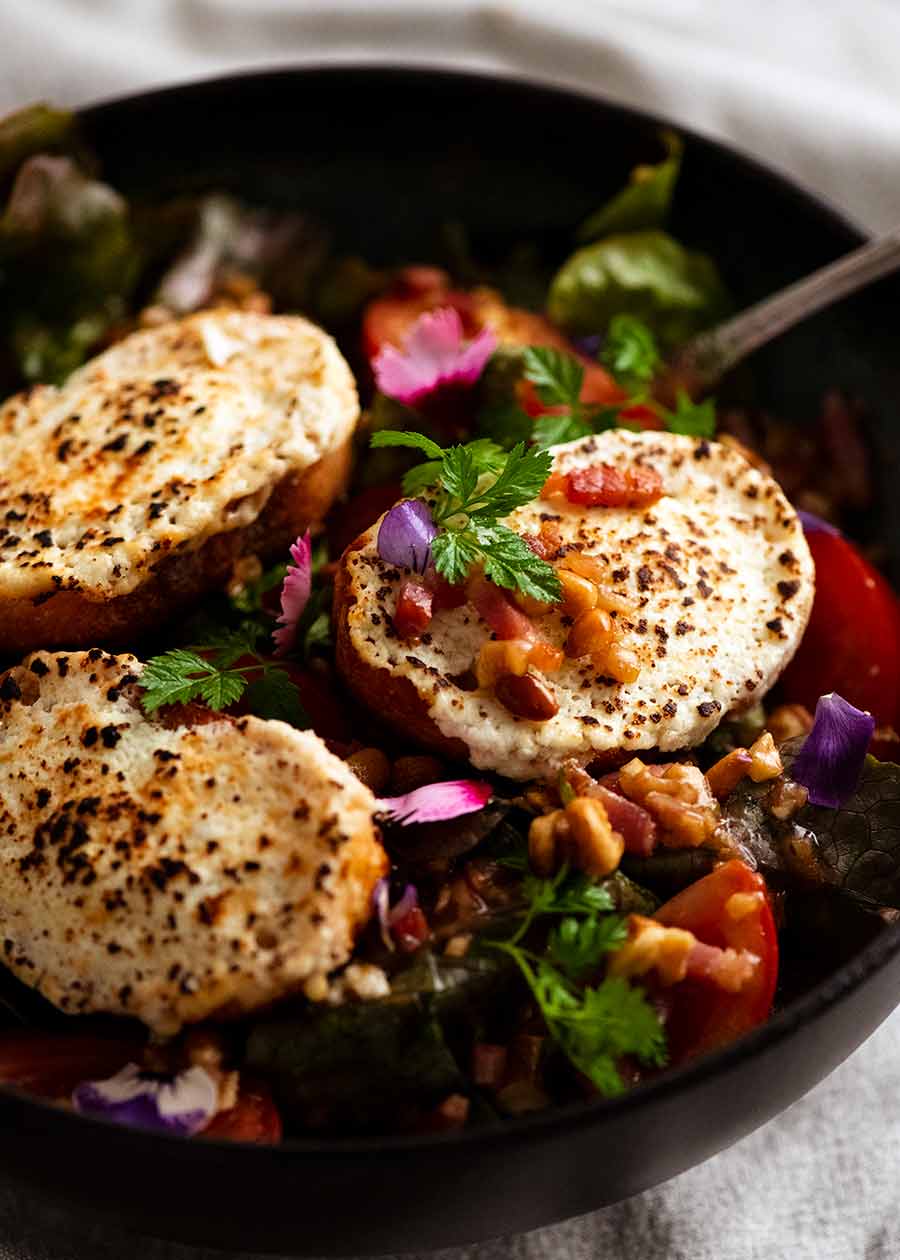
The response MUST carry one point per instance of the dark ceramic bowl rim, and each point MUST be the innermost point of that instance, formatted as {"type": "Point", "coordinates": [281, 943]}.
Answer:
{"type": "Point", "coordinates": [781, 1025]}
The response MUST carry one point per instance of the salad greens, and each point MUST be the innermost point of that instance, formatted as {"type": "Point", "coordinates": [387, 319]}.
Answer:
{"type": "Point", "coordinates": [645, 200]}
{"type": "Point", "coordinates": [675, 291]}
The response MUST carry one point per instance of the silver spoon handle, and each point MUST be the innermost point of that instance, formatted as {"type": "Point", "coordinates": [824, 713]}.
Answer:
{"type": "Point", "coordinates": [710, 355]}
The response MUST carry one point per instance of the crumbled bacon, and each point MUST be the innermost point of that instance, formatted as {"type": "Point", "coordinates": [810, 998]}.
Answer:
{"type": "Point", "coordinates": [603, 485]}
{"type": "Point", "coordinates": [414, 608]}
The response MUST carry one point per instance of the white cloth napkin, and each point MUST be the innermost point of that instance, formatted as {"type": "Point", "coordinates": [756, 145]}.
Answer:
{"type": "Point", "coordinates": [811, 86]}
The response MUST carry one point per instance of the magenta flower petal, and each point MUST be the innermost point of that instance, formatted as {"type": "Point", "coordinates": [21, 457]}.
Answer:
{"type": "Point", "coordinates": [813, 524]}
{"type": "Point", "coordinates": [436, 802]}
{"type": "Point", "coordinates": [388, 916]}
{"type": "Point", "coordinates": [831, 759]}
{"type": "Point", "coordinates": [433, 354]}
{"type": "Point", "coordinates": [294, 594]}
{"type": "Point", "coordinates": [405, 534]}
{"type": "Point", "coordinates": [183, 1105]}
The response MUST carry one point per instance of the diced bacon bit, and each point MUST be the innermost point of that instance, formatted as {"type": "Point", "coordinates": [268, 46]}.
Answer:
{"type": "Point", "coordinates": [547, 543]}
{"type": "Point", "coordinates": [636, 827]}
{"type": "Point", "coordinates": [412, 615]}
{"type": "Point", "coordinates": [495, 607]}
{"type": "Point", "coordinates": [603, 485]}
{"type": "Point", "coordinates": [728, 969]}
{"type": "Point", "coordinates": [411, 930]}
{"type": "Point", "coordinates": [447, 595]}
{"type": "Point", "coordinates": [488, 1064]}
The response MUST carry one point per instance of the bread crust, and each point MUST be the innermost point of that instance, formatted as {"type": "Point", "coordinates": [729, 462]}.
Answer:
{"type": "Point", "coordinates": [71, 619]}
{"type": "Point", "coordinates": [389, 695]}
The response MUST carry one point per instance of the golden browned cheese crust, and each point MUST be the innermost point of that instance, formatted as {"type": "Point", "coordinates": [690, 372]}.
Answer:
{"type": "Point", "coordinates": [159, 463]}
{"type": "Point", "coordinates": [172, 873]}
{"type": "Point", "coordinates": [717, 572]}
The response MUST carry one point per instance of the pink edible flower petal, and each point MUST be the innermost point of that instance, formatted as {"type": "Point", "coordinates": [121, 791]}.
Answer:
{"type": "Point", "coordinates": [433, 354]}
{"type": "Point", "coordinates": [294, 594]}
{"type": "Point", "coordinates": [437, 802]}
{"type": "Point", "coordinates": [183, 1104]}
{"type": "Point", "coordinates": [388, 917]}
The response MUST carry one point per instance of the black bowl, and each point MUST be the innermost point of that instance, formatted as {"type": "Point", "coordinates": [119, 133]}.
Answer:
{"type": "Point", "coordinates": [386, 155]}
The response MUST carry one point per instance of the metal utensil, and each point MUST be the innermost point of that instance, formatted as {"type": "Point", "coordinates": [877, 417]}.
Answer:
{"type": "Point", "coordinates": [701, 363]}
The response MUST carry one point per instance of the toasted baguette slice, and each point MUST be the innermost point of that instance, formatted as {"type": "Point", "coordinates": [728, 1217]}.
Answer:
{"type": "Point", "coordinates": [170, 872]}
{"type": "Point", "coordinates": [129, 493]}
{"type": "Point", "coordinates": [719, 579]}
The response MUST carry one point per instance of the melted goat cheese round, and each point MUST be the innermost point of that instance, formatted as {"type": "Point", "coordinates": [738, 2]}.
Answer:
{"type": "Point", "coordinates": [720, 579]}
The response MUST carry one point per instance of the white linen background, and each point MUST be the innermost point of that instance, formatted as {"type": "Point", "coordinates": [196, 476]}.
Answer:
{"type": "Point", "coordinates": [809, 86]}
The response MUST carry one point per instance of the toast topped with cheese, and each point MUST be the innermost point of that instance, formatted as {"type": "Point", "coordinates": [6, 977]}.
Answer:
{"type": "Point", "coordinates": [129, 492]}
{"type": "Point", "coordinates": [170, 872]}
{"type": "Point", "coordinates": [710, 588]}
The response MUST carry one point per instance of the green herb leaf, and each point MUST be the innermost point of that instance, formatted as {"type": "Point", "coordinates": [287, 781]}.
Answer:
{"type": "Point", "coordinates": [173, 678]}
{"type": "Point", "coordinates": [222, 688]}
{"type": "Point", "coordinates": [511, 563]}
{"type": "Point", "coordinates": [644, 201]}
{"type": "Point", "coordinates": [454, 552]}
{"type": "Point", "coordinates": [578, 945]}
{"type": "Point", "coordinates": [506, 424]}
{"type": "Point", "coordinates": [556, 376]}
{"type": "Point", "coordinates": [459, 474]}
{"type": "Point", "coordinates": [690, 418]}
{"type": "Point", "coordinates": [396, 437]}
{"type": "Point", "coordinates": [631, 352]}
{"type": "Point", "coordinates": [552, 430]}
{"type": "Point", "coordinates": [520, 481]}
{"type": "Point", "coordinates": [648, 274]}
{"type": "Point", "coordinates": [273, 696]}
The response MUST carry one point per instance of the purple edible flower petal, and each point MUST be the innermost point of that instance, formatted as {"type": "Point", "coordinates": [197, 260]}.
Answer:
{"type": "Point", "coordinates": [589, 345]}
{"type": "Point", "coordinates": [433, 354]}
{"type": "Point", "coordinates": [813, 524]}
{"type": "Point", "coordinates": [436, 802]}
{"type": "Point", "coordinates": [183, 1105]}
{"type": "Point", "coordinates": [405, 534]}
{"type": "Point", "coordinates": [294, 594]}
{"type": "Point", "coordinates": [830, 761]}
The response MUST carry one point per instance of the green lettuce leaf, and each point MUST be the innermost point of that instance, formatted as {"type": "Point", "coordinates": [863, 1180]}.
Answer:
{"type": "Point", "coordinates": [647, 274]}
{"type": "Point", "coordinates": [645, 200]}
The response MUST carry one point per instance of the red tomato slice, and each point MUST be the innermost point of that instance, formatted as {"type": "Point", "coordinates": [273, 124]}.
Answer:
{"type": "Point", "coordinates": [255, 1118]}
{"type": "Point", "coordinates": [852, 642]}
{"type": "Point", "coordinates": [51, 1066]}
{"type": "Point", "coordinates": [704, 1016]}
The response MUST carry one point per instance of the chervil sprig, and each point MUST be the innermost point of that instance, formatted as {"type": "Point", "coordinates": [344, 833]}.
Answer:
{"type": "Point", "coordinates": [184, 675]}
{"type": "Point", "coordinates": [471, 488]}
{"type": "Point", "coordinates": [595, 1025]}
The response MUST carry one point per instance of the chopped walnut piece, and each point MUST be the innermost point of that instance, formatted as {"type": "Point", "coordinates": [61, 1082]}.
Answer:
{"type": "Point", "coordinates": [765, 759]}
{"type": "Point", "coordinates": [653, 947]}
{"type": "Point", "coordinates": [788, 721]}
{"type": "Point", "coordinates": [677, 796]}
{"type": "Point", "coordinates": [727, 773]}
{"type": "Point", "coordinates": [580, 834]}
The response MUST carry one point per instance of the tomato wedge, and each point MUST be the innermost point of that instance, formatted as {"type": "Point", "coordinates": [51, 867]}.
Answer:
{"type": "Point", "coordinates": [703, 1016]}
{"type": "Point", "coordinates": [254, 1118]}
{"type": "Point", "coordinates": [852, 642]}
